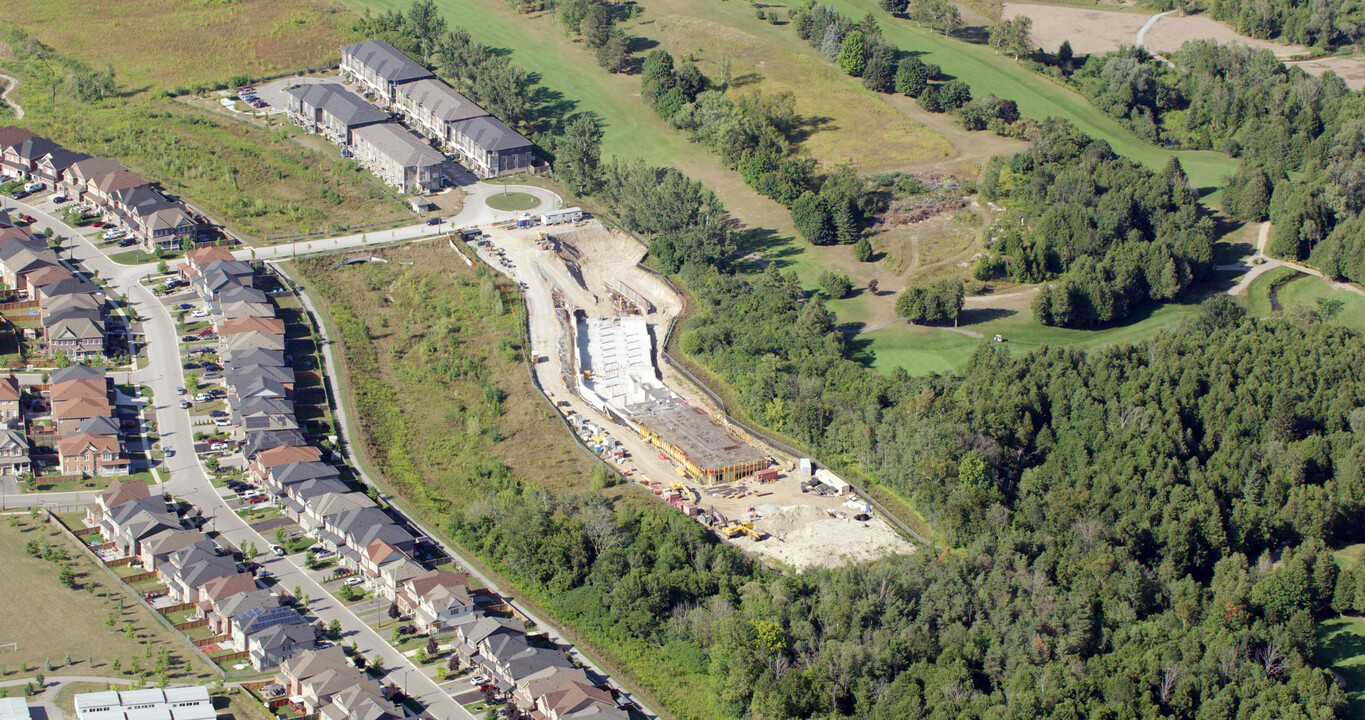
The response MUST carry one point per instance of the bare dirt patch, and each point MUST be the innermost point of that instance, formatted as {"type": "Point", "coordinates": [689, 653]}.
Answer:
{"type": "Point", "coordinates": [1089, 30]}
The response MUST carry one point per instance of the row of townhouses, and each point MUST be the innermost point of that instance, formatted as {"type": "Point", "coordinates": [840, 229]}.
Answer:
{"type": "Point", "coordinates": [400, 85]}
{"type": "Point", "coordinates": [137, 525]}
{"type": "Point", "coordinates": [122, 196]}
{"type": "Point", "coordinates": [71, 309]}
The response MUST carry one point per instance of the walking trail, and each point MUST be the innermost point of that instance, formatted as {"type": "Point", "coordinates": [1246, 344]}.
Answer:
{"type": "Point", "coordinates": [10, 84]}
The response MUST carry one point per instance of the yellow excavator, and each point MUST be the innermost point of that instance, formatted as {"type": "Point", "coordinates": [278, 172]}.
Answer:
{"type": "Point", "coordinates": [745, 528]}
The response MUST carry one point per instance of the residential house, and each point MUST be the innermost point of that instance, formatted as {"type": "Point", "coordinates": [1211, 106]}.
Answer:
{"type": "Point", "coordinates": [128, 524]}
{"type": "Point", "coordinates": [509, 661]}
{"type": "Point", "coordinates": [490, 148]}
{"type": "Point", "coordinates": [431, 106]}
{"type": "Point", "coordinates": [90, 455]}
{"type": "Point", "coordinates": [243, 374]}
{"type": "Point", "coordinates": [469, 636]}
{"type": "Point", "coordinates": [76, 337]}
{"type": "Point", "coordinates": [283, 455]}
{"type": "Point", "coordinates": [75, 389]}
{"type": "Point", "coordinates": [79, 371]}
{"type": "Point", "coordinates": [14, 459]}
{"type": "Point", "coordinates": [536, 685]}
{"type": "Point", "coordinates": [196, 259]}
{"type": "Point", "coordinates": [579, 701]}
{"type": "Point", "coordinates": [235, 326]}
{"type": "Point", "coordinates": [380, 68]}
{"type": "Point", "coordinates": [386, 568]}
{"type": "Point", "coordinates": [327, 506]}
{"type": "Point", "coordinates": [314, 676]}
{"type": "Point", "coordinates": [307, 491]}
{"type": "Point", "coordinates": [69, 414]}
{"type": "Point", "coordinates": [53, 166]}
{"type": "Point", "coordinates": [99, 426]}
{"type": "Point", "coordinates": [10, 395]}
{"type": "Point", "coordinates": [242, 308]}
{"type": "Point", "coordinates": [220, 275]}
{"type": "Point", "coordinates": [238, 294]}
{"type": "Point", "coordinates": [74, 285]}
{"type": "Point", "coordinates": [272, 645]}
{"type": "Point", "coordinates": [186, 571]}
{"type": "Point", "coordinates": [100, 190]}
{"type": "Point", "coordinates": [280, 477]}
{"type": "Point", "coordinates": [42, 274]}
{"type": "Point", "coordinates": [222, 588]}
{"type": "Point", "coordinates": [115, 494]}
{"type": "Point", "coordinates": [437, 600]}
{"type": "Point", "coordinates": [399, 158]}
{"type": "Point", "coordinates": [20, 158]}
{"type": "Point", "coordinates": [25, 258]}
{"type": "Point", "coordinates": [360, 702]}
{"type": "Point", "coordinates": [82, 175]}
{"type": "Point", "coordinates": [253, 340]}
{"type": "Point", "coordinates": [11, 139]}
{"type": "Point", "coordinates": [157, 548]}
{"type": "Point", "coordinates": [362, 526]}
{"type": "Point", "coordinates": [257, 442]}
{"type": "Point", "coordinates": [330, 110]}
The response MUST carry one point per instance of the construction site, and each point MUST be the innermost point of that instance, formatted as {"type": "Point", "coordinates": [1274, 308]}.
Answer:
{"type": "Point", "coordinates": [596, 319]}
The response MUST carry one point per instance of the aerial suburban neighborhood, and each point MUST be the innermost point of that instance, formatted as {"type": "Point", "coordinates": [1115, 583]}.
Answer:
{"type": "Point", "coordinates": [684, 360]}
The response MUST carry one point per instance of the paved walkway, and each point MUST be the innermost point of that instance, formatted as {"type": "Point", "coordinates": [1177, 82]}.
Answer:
{"type": "Point", "coordinates": [1251, 270]}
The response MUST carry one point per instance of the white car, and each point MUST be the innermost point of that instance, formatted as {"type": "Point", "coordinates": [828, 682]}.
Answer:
{"type": "Point", "coordinates": [219, 446]}
{"type": "Point", "coordinates": [251, 494]}
{"type": "Point", "coordinates": [478, 680]}
{"type": "Point", "coordinates": [115, 234]}
{"type": "Point", "coordinates": [279, 551]}
{"type": "Point", "coordinates": [200, 313]}
{"type": "Point", "coordinates": [223, 422]}
{"type": "Point", "coordinates": [354, 581]}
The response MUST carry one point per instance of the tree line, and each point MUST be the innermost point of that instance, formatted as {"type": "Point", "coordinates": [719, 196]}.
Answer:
{"type": "Point", "coordinates": [1321, 25]}
{"type": "Point", "coordinates": [859, 50]}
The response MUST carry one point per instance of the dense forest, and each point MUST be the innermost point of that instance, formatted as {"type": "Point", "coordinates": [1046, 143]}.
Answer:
{"type": "Point", "coordinates": [1115, 233]}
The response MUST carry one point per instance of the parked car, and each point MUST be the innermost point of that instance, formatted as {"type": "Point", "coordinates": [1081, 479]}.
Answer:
{"type": "Point", "coordinates": [279, 551]}
{"type": "Point", "coordinates": [212, 375]}
{"type": "Point", "coordinates": [190, 338]}
{"type": "Point", "coordinates": [264, 574]}
{"type": "Point", "coordinates": [190, 366]}
{"type": "Point", "coordinates": [184, 306]}
{"type": "Point", "coordinates": [220, 445]}
{"type": "Point", "coordinates": [222, 422]}
{"type": "Point", "coordinates": [99, 224]}
{"type": "Point", "coordinates": [20, 194]}
{"type": "Point", "coordinates": [249, 494]}
{"type": "Point", "coordinates": [236, 486]}
{"type": "Point", "coordinates": [115, 234]}
{"type": "Point", "coordinates": [257, 500]}
{"type": "Point", "coordinates": [200, 313]}
{"type": "Point", "coordinates": [186, 404]}
{"type": "Point", "coordinates": [478, 680]}
{"type": "Point", "coordinates": [212, 366]}
{"type": "Point", "coordinates": [180, 391]}
{"type": "Point", "coordinates": [434, 221]}
{"type": "Point", "coordinates": [353, 581]}
{"type": "Point", "coordinates": [217, 413]}
{"type": "Point", "coordinates": [35, 186]}
{"type": "Point", "coordinates": [59, 199]}
{"type": "Point", "coordinates": [127, 242]}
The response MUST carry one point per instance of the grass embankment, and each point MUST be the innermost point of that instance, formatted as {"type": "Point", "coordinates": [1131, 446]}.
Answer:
{"type": "Point", "coordinates": [1341, 647]}
{"type": "Point", "coordinates": [49, 620]}
{"type": "Point", "coordinates": [432, 373]}
{"type": "Point", "coordinates": [257, 181]}
{"type": "Point", "coordinates": [512, 201]}
{"type": "Point", "coordinates": [1303, 291]}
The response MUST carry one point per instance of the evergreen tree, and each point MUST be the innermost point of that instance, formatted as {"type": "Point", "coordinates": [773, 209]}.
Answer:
{"type": "Point", "coordinates": [880, 73]}
{"type": "Point", "coordinates": [852, 58]}
{"type": "Point", "coordinates": [912, 76]}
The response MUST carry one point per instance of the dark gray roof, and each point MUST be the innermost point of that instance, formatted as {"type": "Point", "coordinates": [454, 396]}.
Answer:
{"type": "Point", "coordinates": [342, 104]}
{"type": "Point", "coordinates": [76, 372]}
{"type": "Point", "coordinates": [268, 405]}
{"type": "Point", "coordinates": [309, 489]}
{"type": "Point", "coordinates": [259, 356]}
{"type": "Point", "coordinates": [368, 524]}
{"type": "Point", "coordinates": [257, 442]}
{"type": "Point", "coordinates": [491, 135]}
{"type": "Point", "coordinates": [241, 294]}
{"type": "Point", "coordinates": [243, 373]}
{"type": "Point", "coordinates": [386, 61]}
{"type": "Point", "coordinates": [441, 100]}
{"type": "Point", "coordinates": [299, 471]}
{"type": "Point", "coordinates": [69, 286]}
{"type": "Point", "coordinates": [98, 426]}
{"type": "Point", "coordinates": [15, 246]}
{"type": "Point", "coordinates": [399, 144]}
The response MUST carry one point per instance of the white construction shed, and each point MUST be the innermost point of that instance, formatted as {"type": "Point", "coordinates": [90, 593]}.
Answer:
{"type": "Point", "coordinates": [555, 217]}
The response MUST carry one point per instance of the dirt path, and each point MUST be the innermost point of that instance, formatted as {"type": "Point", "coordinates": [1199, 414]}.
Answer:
{"type": "Point", "coordinates": [1253, 271]}
{"type": "Point", "coordinates": [1142, 34]}
{"type": "Point", "coordinates": [10, 84]}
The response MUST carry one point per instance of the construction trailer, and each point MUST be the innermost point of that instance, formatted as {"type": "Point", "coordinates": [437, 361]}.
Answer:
{"type": "Point", "coordinates": [557, 217]}
{"type": "Point", "coordinates": [704, 449]}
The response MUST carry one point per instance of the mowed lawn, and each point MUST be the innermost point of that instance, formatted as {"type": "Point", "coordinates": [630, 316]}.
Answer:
{"type": "Point", "coordinates": [1038, 97]}
{"type": "Point", "coordinates": [1341, 647]}
{"type": "Point", "coordinates": [48, 620]}
{"type": "Point", "coordinates": [922, 350]}
{"type": "Point", "coordinates": [174, 43]}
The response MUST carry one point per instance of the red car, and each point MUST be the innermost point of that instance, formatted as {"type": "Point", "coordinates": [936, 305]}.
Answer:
{"type": "Point", "coordinates": [28, 219]}
{"type": "Point", "coordinates": [98, 224]}
{"type": "Point", "coordinates": [204, 333]}
{"type": "Point", "coordinates": [257, 499]}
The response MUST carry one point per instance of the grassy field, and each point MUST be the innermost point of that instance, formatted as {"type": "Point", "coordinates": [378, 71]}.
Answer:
{"type": "Point", "coordinates": [1305, 291]}
{"type": "Point", "coordinates": [923, 350]}
{"type": "Point", "coordinates": [986, 72]}
{"type": "Point", "coordinates": [188, 42]}
{"type": "Point", "coordinates": [53, 620]}
{"type": "Point", "coordinates": [512, 201]}
{"type": "Point", "coordinates": [1341, 647]}
{"type": "Point", "coordinates": [445, 343]}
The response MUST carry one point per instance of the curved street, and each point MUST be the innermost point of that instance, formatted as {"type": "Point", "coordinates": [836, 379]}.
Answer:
{"type": "Point", "coordinates": [187, 477]}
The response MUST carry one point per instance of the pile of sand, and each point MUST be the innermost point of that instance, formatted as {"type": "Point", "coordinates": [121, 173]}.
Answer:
{"type": "Point", "coordinates": [803, 536]}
